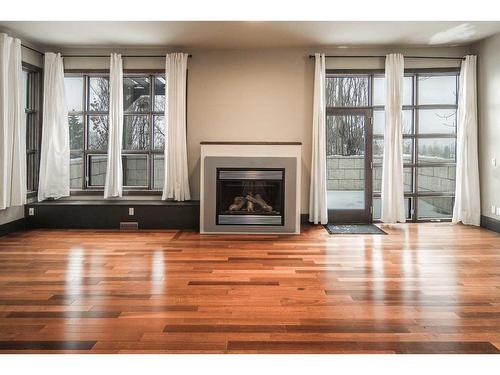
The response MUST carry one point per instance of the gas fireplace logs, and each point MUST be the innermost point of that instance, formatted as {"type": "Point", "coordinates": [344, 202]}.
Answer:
{"type": "Point", "coordinates": [258, 199]}
{"type": "Point", "coordinates": [238, 204]}
{"type": "Point", "coordinates": [248, 202]}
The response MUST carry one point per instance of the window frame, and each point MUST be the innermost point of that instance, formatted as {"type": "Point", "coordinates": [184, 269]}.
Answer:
{"type": "Point", "coordinates": [417, 136]}
{"type": "Point", "coordinates": [365, 213]}
{"type": "Point", "coordinates": [151, 114]}
{"type": "Point", "coordinates": [33, 109]}
{"type": "Point", "coordinates": [86, 188]}
{"type": "Point", "coordinates": [414, 195]}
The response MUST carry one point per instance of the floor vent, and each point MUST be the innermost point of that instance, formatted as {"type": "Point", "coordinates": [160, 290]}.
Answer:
{"type": "Point", "coordinates": [129, 225]}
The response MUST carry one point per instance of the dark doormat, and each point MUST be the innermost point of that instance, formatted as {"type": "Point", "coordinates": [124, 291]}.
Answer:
{"type": "Point", "coordinates": [353, 229]}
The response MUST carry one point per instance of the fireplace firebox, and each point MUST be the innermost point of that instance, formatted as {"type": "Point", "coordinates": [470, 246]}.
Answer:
{"type": "Point", "coordinates": [250, 196]}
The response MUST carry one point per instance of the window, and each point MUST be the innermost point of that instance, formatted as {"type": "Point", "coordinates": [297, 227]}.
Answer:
{"type": "Point", "coordinates": [31, 93]}
{"type": "Point", "coordinates": [429, 138]}
{"type": "Point", "coordinates": [435, 136]}
{"type": "Point", "coordinates": [87, 98]}
{"type": "Point", "coordinates": [429, 143]}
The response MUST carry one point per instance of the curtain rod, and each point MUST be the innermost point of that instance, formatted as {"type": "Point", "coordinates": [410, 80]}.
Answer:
{"type": "Point", "coordinates": [122, 55]}
{"type": "Point", "coordinates": [383, 56]}
{"type": "Point", "coordinates": [42, 53]}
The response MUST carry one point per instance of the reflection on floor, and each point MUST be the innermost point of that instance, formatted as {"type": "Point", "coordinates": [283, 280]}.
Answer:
{"type": "Point", "coordinates": [423, 288]}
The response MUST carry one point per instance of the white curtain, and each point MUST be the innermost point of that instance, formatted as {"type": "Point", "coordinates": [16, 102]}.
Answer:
{"type": "Point", "coordinates": [12, 125]}
{"type": "Point", "coordinates": [393, 209]}
{"type": "Point", "coordinates": [176, 182]}
{"type": "Point", "coordinates": [54, 157]}
{"type": "Point", "coordinates": [114, 173]}
{"type": "Point", "coordinates": [467, 207]}
{"type": "Point", "coordinates": [318, 210]}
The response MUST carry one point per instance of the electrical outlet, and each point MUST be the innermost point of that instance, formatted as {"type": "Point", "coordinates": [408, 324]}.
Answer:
{"type": "Point", "coordinates": [498, 211]}
{"type": "Point", "coordinates": [494, 162]}
{"type": "Point", "coordinates": [131, 211]}
{"type": "Point", "coordinates": [493, 209]}
{"type": "Point", "coordinates": [31, 211]}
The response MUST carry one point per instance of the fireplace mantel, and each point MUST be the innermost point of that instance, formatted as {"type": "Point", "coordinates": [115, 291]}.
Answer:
{"type": "Point", "coordinates": [251, 143]}
{"type": "Point", "coordinates": [250, 155]}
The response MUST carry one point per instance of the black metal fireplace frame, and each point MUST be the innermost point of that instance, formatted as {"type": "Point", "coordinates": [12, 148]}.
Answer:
{"type": "Point", "coordinates": [219, 192]}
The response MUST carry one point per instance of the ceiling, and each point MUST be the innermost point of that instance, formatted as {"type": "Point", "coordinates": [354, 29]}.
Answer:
{"type": "Point", "coordinates": [247, 34]}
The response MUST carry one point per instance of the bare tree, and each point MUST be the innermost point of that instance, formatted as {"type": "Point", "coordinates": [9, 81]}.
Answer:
{"type": "Point", "coordinates": [345, 133]}
{"type": "Point", "coordinates": [137, 127]}
{"type": "Point", "coordinates": [99, 101]}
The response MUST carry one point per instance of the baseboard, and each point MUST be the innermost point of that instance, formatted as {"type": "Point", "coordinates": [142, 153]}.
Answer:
{"type": "Point", "coordinates": [490, 223]}
{"type": "Point", "coordinates": [13, 226]}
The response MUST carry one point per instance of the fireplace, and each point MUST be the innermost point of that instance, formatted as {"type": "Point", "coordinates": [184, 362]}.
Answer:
{"type": "Point", "coordinates": [248, 196]}
{"type": "Point", "coordinates": [250, 187]}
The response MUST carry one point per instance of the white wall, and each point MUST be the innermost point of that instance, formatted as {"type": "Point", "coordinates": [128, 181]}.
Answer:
{"type": "Point", "coordinates": [248, 95]}
{"type": "Point", "coordinates": [256, 95]}
{"type": "Point", "coordinates": [264, 95]}
{"type": "Point", "coordinates": [489, 122]}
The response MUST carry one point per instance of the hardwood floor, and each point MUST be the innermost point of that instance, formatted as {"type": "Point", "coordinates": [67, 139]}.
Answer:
{"type": "Point", "coordinates": [424, 288]}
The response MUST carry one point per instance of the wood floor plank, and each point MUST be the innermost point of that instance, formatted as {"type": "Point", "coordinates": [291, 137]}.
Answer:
{"type": "Point", "coordinates": [64, 314]}
{"type": "Point", "coordinates": [223, 328]}
{"type": "Point", "coordinates": [221, 282]}
{"type": "Point", "coordinates": [436, 347]}
{"type": "Point", "coordinates": [46, 345]}
{"type": "Point", "coordinates": [423, 288]}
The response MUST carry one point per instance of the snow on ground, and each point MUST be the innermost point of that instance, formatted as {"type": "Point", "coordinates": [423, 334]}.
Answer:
{"type": "Point", "coordinates": [355, 200]}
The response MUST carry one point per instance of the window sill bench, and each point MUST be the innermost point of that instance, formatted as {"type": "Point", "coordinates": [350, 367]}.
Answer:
{"type": "Point", "coordinates": [107, 214]}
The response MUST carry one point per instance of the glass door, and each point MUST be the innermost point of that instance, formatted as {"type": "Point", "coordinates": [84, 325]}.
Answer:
{"type": "Point", "coordinates": [349, 164]}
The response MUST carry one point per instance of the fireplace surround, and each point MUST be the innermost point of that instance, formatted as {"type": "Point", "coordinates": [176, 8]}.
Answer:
{"type": "Point", "coordinates": [250, 187]}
